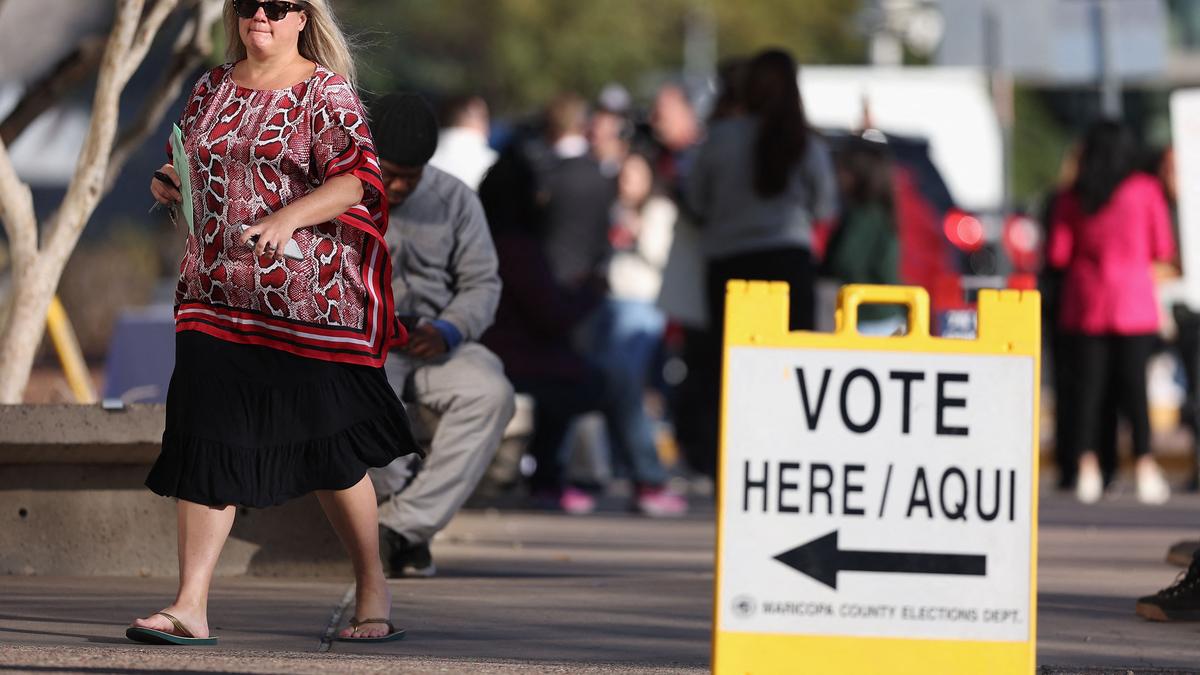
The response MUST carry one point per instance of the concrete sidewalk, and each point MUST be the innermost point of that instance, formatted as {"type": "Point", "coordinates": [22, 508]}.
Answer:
{"type": "Point", "coordinates": [516, 592]}
{"type": "Point", "coordinates": [529, 592]}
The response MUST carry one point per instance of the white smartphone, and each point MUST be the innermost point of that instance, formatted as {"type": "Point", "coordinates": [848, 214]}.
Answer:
{"type": "Point", "coordinates": [290, 250]}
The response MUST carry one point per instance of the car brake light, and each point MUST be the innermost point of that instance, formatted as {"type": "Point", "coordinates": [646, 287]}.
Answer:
{"type": "Point", "coordinates": [963, 230]}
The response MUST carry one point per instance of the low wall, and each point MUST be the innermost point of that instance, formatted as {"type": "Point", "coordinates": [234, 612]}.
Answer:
{"type": "Point", "coordinates": [72, 502]}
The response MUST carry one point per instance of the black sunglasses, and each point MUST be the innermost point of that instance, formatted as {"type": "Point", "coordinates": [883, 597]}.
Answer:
{"type": "Point", "coordinates": [275, 10]}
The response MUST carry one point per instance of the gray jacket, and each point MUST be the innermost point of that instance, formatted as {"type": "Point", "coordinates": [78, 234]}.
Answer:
{"type": "Point", "coordinates": [443, 260]}
{"type": "Point", "coordinates": [733, 218]}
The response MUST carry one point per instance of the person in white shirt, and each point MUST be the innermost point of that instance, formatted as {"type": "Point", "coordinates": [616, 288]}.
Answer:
{"type": "Point", "coordinates": [463, 150]}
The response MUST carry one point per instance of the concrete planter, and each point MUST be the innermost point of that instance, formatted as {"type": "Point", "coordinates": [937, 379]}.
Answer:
{"type": "Point", "coordinates": [72, 502]}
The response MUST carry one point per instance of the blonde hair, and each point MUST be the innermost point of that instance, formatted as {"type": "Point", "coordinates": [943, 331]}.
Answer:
{"type": "Point", "coordinates": [322, 39]}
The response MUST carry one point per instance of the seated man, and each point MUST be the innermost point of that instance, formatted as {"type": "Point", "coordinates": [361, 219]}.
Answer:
{"type": "Point", "coordinates": [446, 286]}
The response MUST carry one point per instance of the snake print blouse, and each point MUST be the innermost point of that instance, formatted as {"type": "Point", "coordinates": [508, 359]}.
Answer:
{"type": "Point", "coordinates": [252, 152]}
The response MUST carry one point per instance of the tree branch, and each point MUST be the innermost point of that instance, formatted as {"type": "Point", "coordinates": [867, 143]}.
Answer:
{"type": "Point", "coordinates": [86, 183]}
{"type": "Point", "coordinates": [43, 95]}
{"type": "Point", "coordinates": [192, 46]}
{"type": "Point", "coordinates": [16, 211]}
{"type": "Point", "coordinates": [145, 37]}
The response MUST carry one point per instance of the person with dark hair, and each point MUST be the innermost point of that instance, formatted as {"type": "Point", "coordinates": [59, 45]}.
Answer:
{"type": "Point", "coordinates": [759, 183]}
{"type": "Point", "coordinates": [1106, 233]}
{"type": "Point", "coordinates": [609, 129]}
{"type": "Point", "coordinates": [731, 90]}
{"type": "Point", "coordinates": [756, 187]}
{"type": "Point", "coordinates": [626, 334]}
{"type": "Point", "coordinates": [447, 288]}
{"type": "Point", "coordinates": [578, 194]}
{"type": "Point", "coordinates": [532, 333]}
{"type": "Point", "coordinates": [864, 248]}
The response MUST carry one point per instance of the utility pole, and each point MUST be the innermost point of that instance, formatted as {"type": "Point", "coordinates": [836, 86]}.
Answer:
{"type": "Point", "coordinates": [699, 47]}
{"type": "Point", "coordinates": [1106, 70]}
{"type": "Point", "coordinates": [886, 46]}
{"type": "Point", "coordinates": [1001, 85]}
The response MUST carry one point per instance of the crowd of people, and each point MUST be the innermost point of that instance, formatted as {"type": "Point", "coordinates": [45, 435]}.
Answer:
{"type": "Point", "coordinates": [617, 233]}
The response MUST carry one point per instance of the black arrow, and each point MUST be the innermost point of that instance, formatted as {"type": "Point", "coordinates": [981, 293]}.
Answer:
{"type": "Point", "coordinates": [821, 559]}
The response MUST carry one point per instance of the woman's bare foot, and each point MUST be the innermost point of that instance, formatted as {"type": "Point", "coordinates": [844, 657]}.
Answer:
{"type": "Point", "coordinates": [194, 619]}
{"type": "Point", "coordinates": [372, 600]}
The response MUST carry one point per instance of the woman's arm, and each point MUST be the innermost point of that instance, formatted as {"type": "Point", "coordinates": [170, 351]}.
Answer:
{"type": "Point", "coordinates": [1162, 240]}
{"type": "Point", "coordinates": [333, 198]}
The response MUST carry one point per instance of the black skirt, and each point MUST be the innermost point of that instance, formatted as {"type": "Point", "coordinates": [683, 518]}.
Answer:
{"type": "Point", "coordinates": [255, 426]}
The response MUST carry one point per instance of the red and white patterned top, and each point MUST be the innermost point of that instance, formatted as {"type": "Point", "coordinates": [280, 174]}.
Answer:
{"type": "Point", "coordinates": [251, 153]}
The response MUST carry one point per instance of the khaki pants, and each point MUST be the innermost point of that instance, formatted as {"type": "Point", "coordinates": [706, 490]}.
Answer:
{"type": "Point", "coordinates": [474, 402]}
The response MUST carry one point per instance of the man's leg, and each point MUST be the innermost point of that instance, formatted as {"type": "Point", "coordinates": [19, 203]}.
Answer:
{"type": "Point", "coordinates": [475, 403]}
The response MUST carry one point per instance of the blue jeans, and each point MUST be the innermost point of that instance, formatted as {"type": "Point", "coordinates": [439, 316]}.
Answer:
{"type": "Point", "coordinates": [621, 339]}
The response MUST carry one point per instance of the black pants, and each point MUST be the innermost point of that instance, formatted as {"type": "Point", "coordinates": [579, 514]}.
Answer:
{"type": "Point", "coordinates": [792, 265]}
{"type": "Point", "coordinates": [1066, 426]}
{"type": "Point", "coordinates": [691, 400]}
{"type": "Point", "coordinates": [1109, 368]}
{"type": "Point", "coordinates": [1188, 345]}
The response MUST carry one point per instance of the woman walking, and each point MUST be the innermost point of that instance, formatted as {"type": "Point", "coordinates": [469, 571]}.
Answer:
{"type": "Point", "coordinates": [278, 388]}
{"type": "Point", "coordinates": [1106, 234]}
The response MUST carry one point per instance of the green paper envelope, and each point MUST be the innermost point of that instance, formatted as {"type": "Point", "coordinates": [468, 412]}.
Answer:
{"type": "Point", "coordinates": [179, 157]}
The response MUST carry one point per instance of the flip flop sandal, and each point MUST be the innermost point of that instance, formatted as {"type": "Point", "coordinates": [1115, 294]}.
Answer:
{"type": "Point", "coordinates": [157, 637]}
{"type": "Point", "coordinates": [393, 632]}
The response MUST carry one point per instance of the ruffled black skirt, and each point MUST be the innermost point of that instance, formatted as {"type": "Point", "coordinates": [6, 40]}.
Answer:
{"type": "Point", "coordinates": [255, 426]}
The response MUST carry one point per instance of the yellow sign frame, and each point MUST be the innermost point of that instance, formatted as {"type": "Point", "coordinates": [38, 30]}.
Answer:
{"type": "Point", "coordinates": [756, 315]}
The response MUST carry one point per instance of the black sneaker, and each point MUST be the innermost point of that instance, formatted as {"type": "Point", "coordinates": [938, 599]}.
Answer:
{"type": "Point", "coordinates": [1178, 602]}
{"type": "Point", "coordinates": [406, 559]}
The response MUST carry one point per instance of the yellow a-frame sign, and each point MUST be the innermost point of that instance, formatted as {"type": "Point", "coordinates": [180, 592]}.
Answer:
{"type": "Point", "coordinates": [878, 495]}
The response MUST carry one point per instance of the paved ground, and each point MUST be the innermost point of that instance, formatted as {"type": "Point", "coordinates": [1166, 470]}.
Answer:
{"type": "Point", "coordinates": [525, 592]}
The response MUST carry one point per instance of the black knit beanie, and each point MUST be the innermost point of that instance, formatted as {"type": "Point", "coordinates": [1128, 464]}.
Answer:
{"type": "Point", "coordinates": [405, 129]}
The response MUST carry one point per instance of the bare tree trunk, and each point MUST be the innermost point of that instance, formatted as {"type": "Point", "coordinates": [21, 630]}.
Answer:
{"type": "Point", "coordinates": [37, 269]}
{"type": "Point", "coordinates": [23, 333]}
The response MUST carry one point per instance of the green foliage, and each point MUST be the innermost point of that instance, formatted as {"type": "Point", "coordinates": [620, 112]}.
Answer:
{"type": "Point", "coordinates": [519, 53]}
{"type": "Point", "coordinates": [815, 31]}
{"type": "Point", "coordinates": [1039, 144]}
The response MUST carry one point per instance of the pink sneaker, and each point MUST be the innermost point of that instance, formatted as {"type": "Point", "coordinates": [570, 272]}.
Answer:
{"type": "Point", "coordinates": [576, 502]}
{"type": "Point", "coordinates": [660, 502]}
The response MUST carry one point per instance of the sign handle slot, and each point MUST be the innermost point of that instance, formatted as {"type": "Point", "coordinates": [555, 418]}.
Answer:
{"type": "Point", "coordinates": [915, 299]}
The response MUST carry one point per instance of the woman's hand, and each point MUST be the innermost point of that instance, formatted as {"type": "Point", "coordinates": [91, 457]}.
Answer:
{"type": "Point", "coordinates": [163, 193]}
{"type": "Point", "coordinates": [273, 232]}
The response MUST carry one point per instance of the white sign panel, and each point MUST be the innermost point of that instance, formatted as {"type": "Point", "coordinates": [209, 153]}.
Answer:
{"type": "Point", "coordinates": [1185, 134]}
{"type": "Point", "coordinates": [877, 494]}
